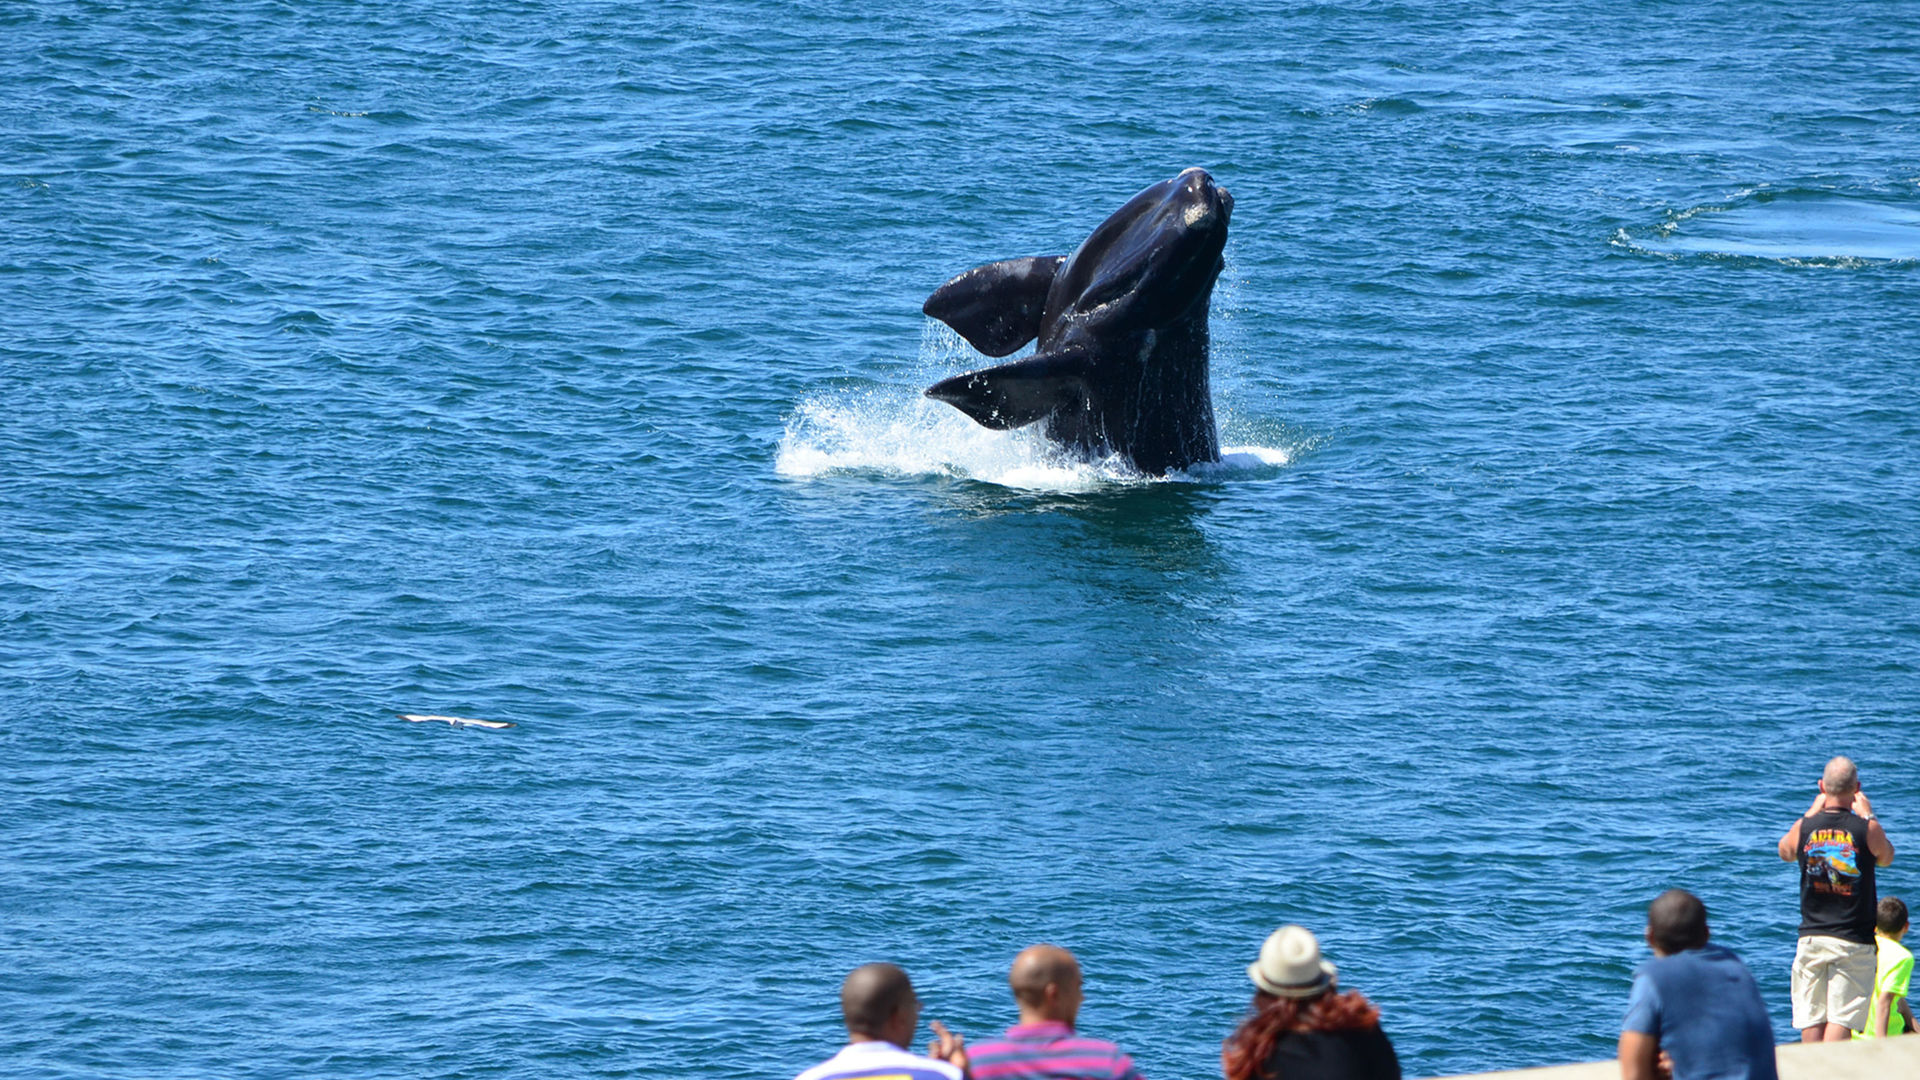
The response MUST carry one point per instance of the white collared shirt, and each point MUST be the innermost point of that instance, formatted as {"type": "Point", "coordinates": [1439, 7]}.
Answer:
{"type": "Point", "coordinates": [879, 1061]}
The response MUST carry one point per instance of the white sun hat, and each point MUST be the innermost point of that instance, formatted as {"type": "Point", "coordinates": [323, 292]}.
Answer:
{"type": "Point", "coordinates": [1290, 964]}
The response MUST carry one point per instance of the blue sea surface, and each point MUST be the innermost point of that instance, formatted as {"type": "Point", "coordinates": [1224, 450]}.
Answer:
{"type": "Point", "coordinates": [560, 363]}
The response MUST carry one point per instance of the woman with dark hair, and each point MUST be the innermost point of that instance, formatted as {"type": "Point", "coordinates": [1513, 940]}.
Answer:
{"type": "Point", "coordinates": [1302, 1027]}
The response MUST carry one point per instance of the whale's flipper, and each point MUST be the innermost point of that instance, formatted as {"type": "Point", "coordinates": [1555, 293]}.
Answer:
{"type": "Point", "coordinates": [997, 307]}
{"type": "Point", "coordinates": [1014, 395]}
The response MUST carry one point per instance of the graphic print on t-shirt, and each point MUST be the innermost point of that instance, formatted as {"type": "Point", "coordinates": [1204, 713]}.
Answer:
{"type": "Point", "coordinates": [1832, 861]}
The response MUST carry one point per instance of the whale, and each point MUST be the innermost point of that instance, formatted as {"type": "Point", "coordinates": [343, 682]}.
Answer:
{"type": "Point", "coordinates": [1119, 327]}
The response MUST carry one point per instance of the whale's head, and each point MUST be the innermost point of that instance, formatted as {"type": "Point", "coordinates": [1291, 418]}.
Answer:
{"type": "Point", "coordinates": [1152, 260]}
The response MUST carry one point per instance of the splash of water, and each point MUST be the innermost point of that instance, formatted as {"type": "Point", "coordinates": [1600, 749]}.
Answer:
{"type": "Point", "coordinates": [897, 431]}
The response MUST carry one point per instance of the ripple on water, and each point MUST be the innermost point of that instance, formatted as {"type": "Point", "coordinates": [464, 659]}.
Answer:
{"type": "Point", "coordinates": [1794, 226]}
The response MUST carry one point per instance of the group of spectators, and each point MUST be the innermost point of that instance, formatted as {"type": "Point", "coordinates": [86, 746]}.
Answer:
{"type": "Point", "coordinates": [1694, 1012]}
{"type": "Point", "coordinates": [1301, 1026]}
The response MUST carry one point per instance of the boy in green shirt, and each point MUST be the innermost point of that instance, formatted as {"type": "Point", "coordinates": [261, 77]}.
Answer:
{"type": "Point", "coordinates": [1887, 1010]}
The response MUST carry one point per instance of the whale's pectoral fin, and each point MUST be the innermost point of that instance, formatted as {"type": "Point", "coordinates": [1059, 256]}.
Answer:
{"type": "Point", "coordinates": [997, 307]}
{"type": "Point", "coordinates": [1014, 395]}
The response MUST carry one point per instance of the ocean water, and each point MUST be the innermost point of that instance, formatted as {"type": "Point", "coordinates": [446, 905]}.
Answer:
{"type": "Point", "coordinates": [559, 364]}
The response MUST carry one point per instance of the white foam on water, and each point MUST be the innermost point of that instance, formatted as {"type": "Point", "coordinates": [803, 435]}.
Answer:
{"type": "Point", "coordinates": [898, 432]}
{"type": "Point", "coordinates": [1236, 459]}
{"type": "Point", "coordinates": [1795, 227]}
{"type": "Point", "coordinates": [895, 430]}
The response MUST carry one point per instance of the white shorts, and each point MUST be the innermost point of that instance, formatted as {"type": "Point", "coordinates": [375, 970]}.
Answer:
{"type": "Point", "coordinates": [1832, 979]}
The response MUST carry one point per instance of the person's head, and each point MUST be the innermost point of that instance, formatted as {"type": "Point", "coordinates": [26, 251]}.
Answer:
{"type": "Point", "coordinates": [1890, 918]}
{"type": "Point", "coordinates": [1046, 983]}
{"type": "Point", "coordinates": [879, 1003]}
{"type": "Point", "coordinates": [1290, 966]}
{"type": "Point", "coordinates": [1676, 922]}
{"type": "Point", "coordinates": [1841, 778]}
{"type": "Point", "coordinates": [1295, 989]}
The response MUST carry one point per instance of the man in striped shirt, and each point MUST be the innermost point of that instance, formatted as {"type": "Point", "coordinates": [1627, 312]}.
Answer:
{"type": "Point", "coordinates": [1042, 1046]}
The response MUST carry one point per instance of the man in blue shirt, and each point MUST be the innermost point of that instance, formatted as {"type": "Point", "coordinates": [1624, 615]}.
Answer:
{"type": "Point", "coordinates": [1694, 1004]}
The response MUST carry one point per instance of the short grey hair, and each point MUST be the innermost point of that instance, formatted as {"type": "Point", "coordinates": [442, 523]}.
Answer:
{"type": "Point", "coordinates": [1841, 776]}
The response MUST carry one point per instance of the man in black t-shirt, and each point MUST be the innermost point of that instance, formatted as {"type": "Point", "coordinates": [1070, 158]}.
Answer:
{"type": "Point", "coordinates": [1837, 844]}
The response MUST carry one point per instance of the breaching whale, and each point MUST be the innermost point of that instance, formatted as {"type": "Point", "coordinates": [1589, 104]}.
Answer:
{"type": "Point", "coordinates": [1120, 364]}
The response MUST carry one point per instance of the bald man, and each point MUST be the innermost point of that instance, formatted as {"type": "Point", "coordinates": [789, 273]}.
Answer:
{"type": "Point", "coordinates": [1837, 844]}
{"type": "Point", "coordinates": [882, 1013]}
{"type": "Point", "coordinates": [1046, 986]}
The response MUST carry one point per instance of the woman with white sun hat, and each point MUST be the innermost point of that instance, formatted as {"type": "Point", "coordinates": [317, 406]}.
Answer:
{"type": "Point", "coordinates": [1302, 1027]}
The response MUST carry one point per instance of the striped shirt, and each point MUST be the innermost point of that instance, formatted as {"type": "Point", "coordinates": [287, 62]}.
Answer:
{"type": "Point", "coordinates": [1049, 1051]}
{"type": "Point", "coordinates": [878, 1060]}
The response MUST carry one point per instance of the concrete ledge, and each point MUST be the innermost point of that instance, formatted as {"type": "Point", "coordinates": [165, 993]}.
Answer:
{"type": "Point", "coordinates": [1865, 1059]}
